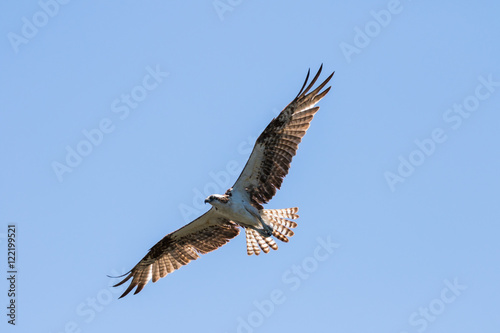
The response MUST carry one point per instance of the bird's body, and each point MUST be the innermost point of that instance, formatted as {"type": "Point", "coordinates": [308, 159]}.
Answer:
{"type": "Point", "coordinates": [237, 208]}
{"type": "Point", "coordinates": [241, 205]}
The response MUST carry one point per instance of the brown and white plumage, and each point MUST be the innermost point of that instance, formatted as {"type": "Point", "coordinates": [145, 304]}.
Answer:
{"type": "Point", "coordinates": [281, 222]}
{"type": "Point", "coordinates": [203, 235]}
{"type": "Point", "coordinates": [241, 205]}
{"type": "Point", "coordinates": [272, 154]}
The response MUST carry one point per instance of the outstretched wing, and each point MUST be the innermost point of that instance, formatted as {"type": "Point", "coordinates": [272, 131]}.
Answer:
{"type": "Point", "coordinates": [274, 149]}
{"type": "Point", "coordinates": [203, 235]}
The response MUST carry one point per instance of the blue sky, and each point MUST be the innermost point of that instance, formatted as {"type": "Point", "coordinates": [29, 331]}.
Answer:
{"type": "Point", "coordinates": [117, 117]}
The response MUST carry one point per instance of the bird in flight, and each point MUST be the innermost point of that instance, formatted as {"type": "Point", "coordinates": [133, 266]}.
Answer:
{"type": "Point", "coordinates": [241, 205]}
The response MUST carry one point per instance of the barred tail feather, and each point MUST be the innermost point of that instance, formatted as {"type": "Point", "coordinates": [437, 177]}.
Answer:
{"type": "Point", "coordinates": [252, 247]}
{"type": "Point", "coordinates": [255, 242]}
{"type": "Point", "coordinates": [288, 213]}
{"type": "Point", "coordinates": [278, 220]}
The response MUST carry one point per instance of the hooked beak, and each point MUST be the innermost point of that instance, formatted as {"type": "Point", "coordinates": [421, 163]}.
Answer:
{"type": "Point", "coordinates": [207, 201]}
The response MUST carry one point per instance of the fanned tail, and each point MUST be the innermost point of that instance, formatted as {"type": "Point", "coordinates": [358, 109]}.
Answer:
{"type": "Point", "coordinates": [280, 220]}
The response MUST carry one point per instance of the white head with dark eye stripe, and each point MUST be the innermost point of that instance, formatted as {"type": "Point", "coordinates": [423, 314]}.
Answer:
{"type": "Point", "coordinates": [217, 199]}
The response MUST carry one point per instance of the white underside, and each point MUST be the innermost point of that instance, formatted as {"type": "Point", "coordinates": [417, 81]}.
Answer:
{"type": "Point", "coordinates": [240, 211]}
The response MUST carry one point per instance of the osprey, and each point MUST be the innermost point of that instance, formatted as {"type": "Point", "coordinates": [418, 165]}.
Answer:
{"type": "Point", "coordinates": [241, 205]}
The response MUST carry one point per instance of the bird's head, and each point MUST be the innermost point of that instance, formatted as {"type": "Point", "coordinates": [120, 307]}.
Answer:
{"type": "Point", "coordinates": [216, 199]}
{"type": "Point", "coordinates": [210, 199]}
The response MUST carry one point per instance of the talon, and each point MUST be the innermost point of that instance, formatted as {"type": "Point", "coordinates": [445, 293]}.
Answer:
{"type": "Point", "coordinates": [268, 230]}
